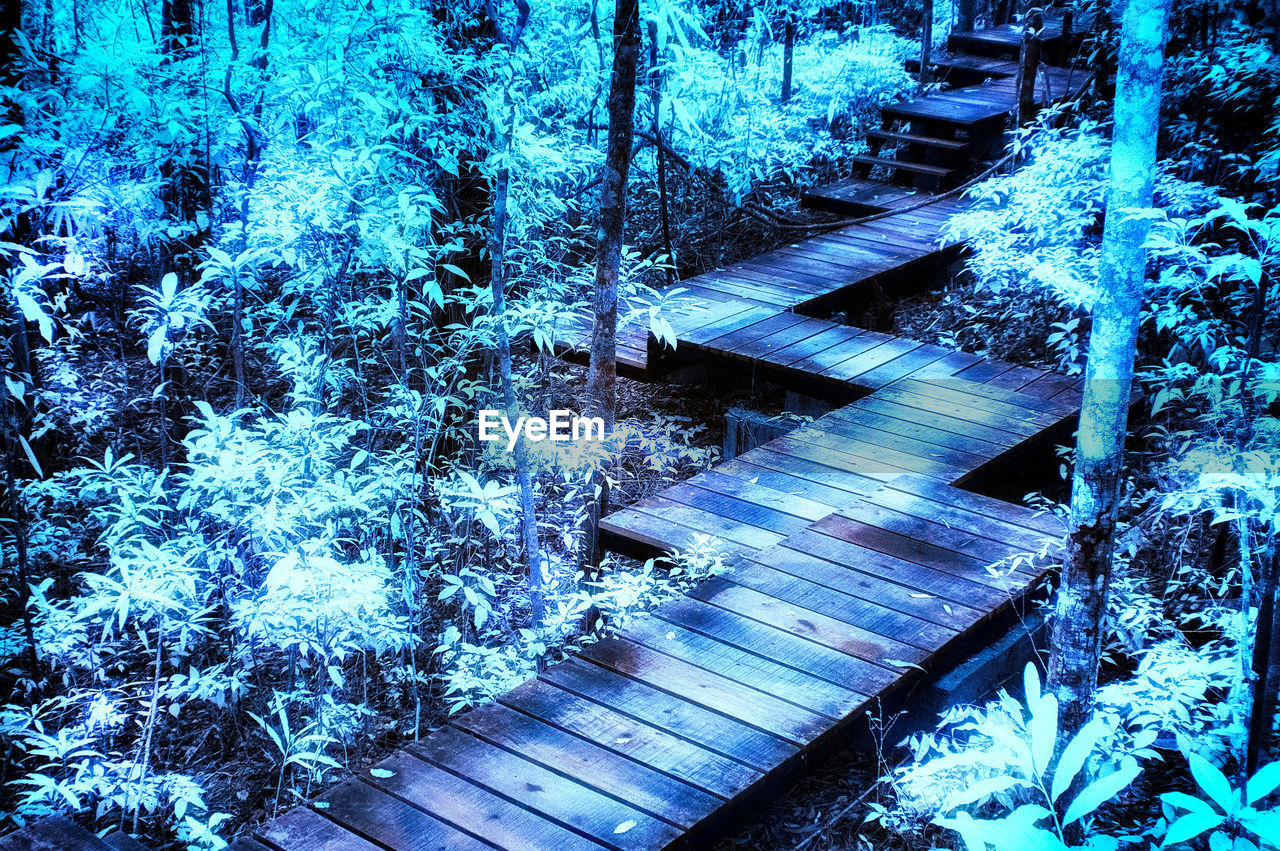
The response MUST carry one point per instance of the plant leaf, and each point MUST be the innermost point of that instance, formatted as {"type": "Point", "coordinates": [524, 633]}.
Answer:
{"type": "Point", "coordinates": [1102, 790]}
{"type": "Point", "coordinates": [1075, 754]}
{"type": "Point", "coordinates": [1190, 826]}
{"type": "Point", "coordinates": [1263, 783]}
{"type": "Point", "coordinates": [1213, 783]}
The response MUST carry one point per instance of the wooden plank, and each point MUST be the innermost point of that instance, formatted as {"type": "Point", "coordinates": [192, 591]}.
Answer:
{"type": "Point", "coordinates": [789, 684]}
{"type": "Point", "coordinates": [860, 259]}
{"type": "Point", "coordinates": [715, 774]}
{"type": "Point", "coordinates": [867, 240]}
{"type": "Point", "coordinates": [762, 494]}
{"type": "Point", "coordinates": [708, 523]}
{"type": "Point", "coordinates": [764, 348]}
{"type": "Point", "coordinates": [971, 419]}
{"type": "Point", "coordinates": [1048, 384]}
{"type": "Point", "coordinates": [389, 821]}
{"type": "Point", "coordinates": [991, 398]}
{"type": "Point", "coordinates": [756, 331]}
{"type": "Point", "coordinates": [736, 509]}
{"type": "Point", "coordinates": [850, 368]}
{"type": "Point", "coordinates": [788, 288]}
{"type": "Point", "coordinates": [769, 642]}
{"type": "Point", "coordinates": [797, 557]}
{"type": "Point", "coordinates": [52, 833]}
{"type": "Point", "coordinates": [922, 553]}
{"type": "Point", "coordinates": [864, 347]}
{"type": "Point", "coordinates": [913, 578]}
{"type": "Point", "coordinates": [657, 533]}
{"type": "Point", "coordinates": [975, 409]}
{"type": "Point", "coordinates": [901, 496]}
{"type": "Point", "coordinates": [571, 804]}
{"type": "Point", "coordinates": [803, 462]}
{"type": "Point", "coordinates": [768, 267]}
{"type": "Point", "coordinates": [697, 724]}
{"type": "Point", "coordinates": [739, 701]}
{"type": "Point", "coordinates": [900, 367]}
{"type": "Point", "coordinates": [304, 828]}
{"type": "Point", "coordinates": [1035, 521]}
{"type": "Point", "coordinates": [764, 297]}
{"type": "Point", "coordinates": [834, 335]}
{"type": "Point", "coordinates": [663, 797]}
{"type": "Point", "coordinates": [470, 807]}
{"type": "Point", "coordinates": [877, 459]}
{"type": "Point", "coordinates": [935, 534]}
{"type": "Point", "coordinates": [1015, 379]}
{"type": "Point", "coordinates": [791, 485]}
{"type": "Point", "coordinates": [948, 453]}
{"type": "Point", "coordinates": [853, 610]}
{"type": "Point", "coordinates": [984, 370]}
{"type": "Point", "coordinates": [837, 272]}
{"type": "Point", "coordinates": [914, 414]}
{"type": "Point", "coordinates": [719, 327]}
{"type": "Point", "coordinates": [806, 623]}
{"type": "Point", "coordinates": [819, 450]}
{"type": "Point", "coordinates": [769, 272]}
{"type": "Point", "coordinates": [862, 416]}
{"type": "Point", "coordinates": [948, 366]}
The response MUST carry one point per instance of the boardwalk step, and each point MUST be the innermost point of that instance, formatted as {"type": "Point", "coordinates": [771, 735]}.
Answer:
{"type": "Point", "coordinates": [916, 139]}
{"type": "Point", "coordinates": [53, 833]}
{"type": "Point", "coordinates": [903, 165]}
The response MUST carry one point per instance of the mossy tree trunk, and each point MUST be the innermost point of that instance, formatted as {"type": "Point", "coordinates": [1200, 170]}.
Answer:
{"type": "Point", "coordinates": [1086, 572]}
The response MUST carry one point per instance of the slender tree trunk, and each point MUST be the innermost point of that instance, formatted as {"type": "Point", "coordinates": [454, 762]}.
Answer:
{"type": "Point", "coordinates": [9, 433]}
{"type": "Point", "coordinates": [602, 374]}
{"type": "Point", "coordinates": [926, 44]}
{"type": "Point", "coordinates": [788, 56]}
{"type": "Point", "coordinates": [497, 286]}
{"type": "Point", "coordinates": [1266, 662]}
{"type": "Point", "coordinates": [1086, 572]}
{"type": "Point", "coordinates": [524, 474]}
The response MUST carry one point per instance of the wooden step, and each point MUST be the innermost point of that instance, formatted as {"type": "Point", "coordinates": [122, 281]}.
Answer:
{"type": "Point", "coordinates": [914, 139]}
{"type": "Point", "coordinates": [902, 165]}
{"type": "Point", "coordinates": [53, 833]}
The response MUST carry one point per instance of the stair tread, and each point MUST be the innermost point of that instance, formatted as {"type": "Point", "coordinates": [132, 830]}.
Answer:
{"type": "Point", "coordinates": [916, 139]}
{"type": "Point", "coordinates": [919, 168]}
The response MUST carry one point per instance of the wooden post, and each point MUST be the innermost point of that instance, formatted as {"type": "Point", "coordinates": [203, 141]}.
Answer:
{"type": "Point", "coordinates": [655, 80]}
{"type": "Point", "coordinates": [1028, 65]}
{"type": "Point", "coordinates": [926, 43]}
{"type": "Point", "coordinates": [788, 50]}
{"type": "Point", "coordinates": [1065, 51]}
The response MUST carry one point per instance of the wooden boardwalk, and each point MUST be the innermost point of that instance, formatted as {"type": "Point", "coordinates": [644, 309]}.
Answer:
{"type": "Point", "coordinates": [855, 564]}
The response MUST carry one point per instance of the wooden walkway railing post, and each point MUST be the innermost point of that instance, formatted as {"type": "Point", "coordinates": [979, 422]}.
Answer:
{"type": "Point", "coordinates": [1028, 67]}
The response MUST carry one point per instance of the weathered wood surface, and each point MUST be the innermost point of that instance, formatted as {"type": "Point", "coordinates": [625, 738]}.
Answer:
{"type": "Point", "coordinates": [853, 563]}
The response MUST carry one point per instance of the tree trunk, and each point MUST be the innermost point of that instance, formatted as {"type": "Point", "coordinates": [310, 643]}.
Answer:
{"type": "Point", "coordinates": [966, 14]}
{"type": "Point", "coordinates": [524, 475]}
{"type": "Point", "coordinates": [1266, 662]}
{"type": "Point", "coordinates": [926, 43]}
{"type": "Point", "coordinates": [788, 56]}
{"type": "Point", "coordinates": [1086, 572]}
{"type": "Point", "coordinates": [497, 286]}
{"type": "Point", "coordinates": [602, 397]}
